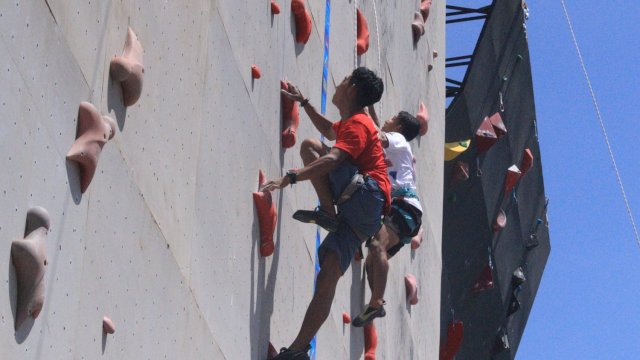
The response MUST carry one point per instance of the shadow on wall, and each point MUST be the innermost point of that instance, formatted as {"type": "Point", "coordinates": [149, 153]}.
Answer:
{"type": "Point", "coordinates": [73, 176]}
{"type": "Point", "coordinates": [115, 104]}
{"type": "Point", "coordinates": [23, 332]}
{"type": "Point", "coordinates": [358, 282]}
{"type": "Point", "coordinates": [262, 289]}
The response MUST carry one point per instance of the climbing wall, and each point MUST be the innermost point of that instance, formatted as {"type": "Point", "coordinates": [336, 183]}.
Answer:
{"type": "Point", "coordinates": [165, 239]}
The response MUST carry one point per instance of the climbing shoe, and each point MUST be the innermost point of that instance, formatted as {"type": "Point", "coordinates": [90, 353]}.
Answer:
{"type": "Point", "coordinates": [286, 354]}
{"type": "Point", "coordinates": [318, 217]}
{"type": "Point", "coordinates": [367, 315]}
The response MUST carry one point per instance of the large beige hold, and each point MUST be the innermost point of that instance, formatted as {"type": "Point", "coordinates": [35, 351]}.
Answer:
{"type": "Point", "coordinates": [128, 69]}
{"type": "Point", "coordinates": [30, 260]}
{"type": "Point", "coordinates": [94, 130]}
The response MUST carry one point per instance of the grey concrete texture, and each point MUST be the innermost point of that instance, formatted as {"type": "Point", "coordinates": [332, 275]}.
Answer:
{"type": "Point", "coordinates": [165, 240]}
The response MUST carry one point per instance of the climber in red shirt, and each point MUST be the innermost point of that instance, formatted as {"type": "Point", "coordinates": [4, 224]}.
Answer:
{"type": "Point", "coordinates": [352, 176]}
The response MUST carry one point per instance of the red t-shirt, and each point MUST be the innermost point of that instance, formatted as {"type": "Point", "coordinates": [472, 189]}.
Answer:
{"type": "Point", "coordinates": [359, 138]}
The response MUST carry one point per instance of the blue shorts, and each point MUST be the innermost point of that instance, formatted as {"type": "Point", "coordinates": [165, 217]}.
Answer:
{"type": "Point", "coordinates": [362, 213]}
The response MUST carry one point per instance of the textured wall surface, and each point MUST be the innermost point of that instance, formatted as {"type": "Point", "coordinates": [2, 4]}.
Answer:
{"type": "Point", "coordinates": [165, 240]}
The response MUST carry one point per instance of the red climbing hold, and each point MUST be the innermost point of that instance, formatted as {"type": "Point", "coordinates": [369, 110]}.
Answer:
{"type": "Point", "coordinates": [425, 7]}
{"type": "Point", "coordinates": [455, 333]}
{"type": "Point", "coordinates": [498, 125]}
{"type": "Point", "coordinates": [416, 241]}
{"type": "Point", "coordinates": [423, 119]}
{"type": "Point", "coordinates": [485, 136]}
{"type": "Point", "coordinates": [346, 319]}
{"type": "Point", "coordinates": [108, 326]}
{"type": "Point", "coordinates": [459, 174]}
{"type": "Point", "coordinates": [275, 8]}
{"type": "Point", "coordinates": [411, 286]}
{"type": "Point", "coordinates": [29, 258]}
{"type": "Point", "coordinates": [500, 222]}
{"type": "Point", "coordinates": [484, 281]}
{"type": "Point", "coordinates": [511, 179]}
{"type": "Point", "coordinates": [255, 72]}
{"type": "Point", "coordinates": [271, 351]}
{"type": "Point", "coordinates": [267, 217]}
{"type": "Point", "coordinates": [370, 341]}
{"type": "Point", "coordinates": [527, 161]}
{"type": "Point", "coordinates": [290, 118]}
{"type": "Point", "coordinates": [417, 26]}
{"type": "Point", "coordinates": [363, 33]}
{"type": "Point", "coordinates": [303, 21]}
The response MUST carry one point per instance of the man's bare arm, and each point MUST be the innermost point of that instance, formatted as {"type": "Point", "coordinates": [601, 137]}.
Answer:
{"type": "Point", "coordinates": [322, 166]}
{"type": "Point", "coordinates": [324, 125]}
{"type": "Point", "coordinates": [381, 135]}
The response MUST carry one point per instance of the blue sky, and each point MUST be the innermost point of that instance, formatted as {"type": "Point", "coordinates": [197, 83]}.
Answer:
{"type": "Point", "coordinates": [587, 306]}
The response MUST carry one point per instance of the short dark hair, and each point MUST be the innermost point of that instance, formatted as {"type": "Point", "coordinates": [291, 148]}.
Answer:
{"type": "Point", "coordinates": [410, 125]}
{"type": "Point", "coordinates": [370, 87]}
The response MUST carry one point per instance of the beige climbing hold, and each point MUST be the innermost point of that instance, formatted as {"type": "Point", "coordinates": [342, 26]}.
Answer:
{"type": "Point", "coordinates": [416, 241]}
{"type": "Point", "coordinates": [453, 149]}
{"type": "Point", "coordinates": [94, 130]}
{"type": "Point", "coordinates": [128, 69]}
{"type": "Point", "coordinates": [411, 286]}
{"type": "Point", "coordinates": [435, 54]}
{"type": "Point", "coordinates": [423, 118]}
{"type": "Point", "coordinates": [108, 326]}
{"type": "Point", "coordinates": [29, 258]}
{"type": "Point", "coordinates": [417, 26]}
{"type": "Point", "coordinates": [425, 7]}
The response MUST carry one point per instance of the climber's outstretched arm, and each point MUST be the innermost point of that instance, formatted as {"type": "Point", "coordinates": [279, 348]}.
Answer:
{"type": "Point", "coordinates": [322, 166]}
{"type": "Point", "coordinates": [321, 123]}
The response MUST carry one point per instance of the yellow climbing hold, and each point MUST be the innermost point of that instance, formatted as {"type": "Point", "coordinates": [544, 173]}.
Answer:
{"type": "Point", "coordinates": [453, 149]}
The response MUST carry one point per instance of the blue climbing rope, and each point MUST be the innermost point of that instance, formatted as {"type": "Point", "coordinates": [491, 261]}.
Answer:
{"type": "Point", "coordinates": [323, 109]}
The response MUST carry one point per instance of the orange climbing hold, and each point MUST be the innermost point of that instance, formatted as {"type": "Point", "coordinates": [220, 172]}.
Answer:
{"type": "Point", "coordinates": [484, 280]}
{"type": "Point", "coordinates": [511, 179]}
{"type": "Point", "coordinates": [459, 174]}
{"type": "Point", "coordinates": [362, 42]}
{"type": "Point", "coordinates": [423, 118]}
{"type": "Point", "coordinates": [425, 7]}
{"type": "Point", "coordinates": [275, 8]}
{"type": "Point", "coordinates": [498, 125]}
{"type": "Point", "coordinates": [94, 130]}
{"type": "Point", "coordinates": [255, 72]}
{"type": "Point", "coordinates": [108, 326]}
{"type": "Point", "coordinates": [527, 161]}
{"type": "Point", "coordinates": [346, 318]}
{"type": "Point", "coordinates": [29, 258]}
{"type": "Point", "coordinates": [500, 222]}
{"type": "Point", "coordinates": [417, 26]}
{"type": "Point", "coordinates": [290, 118]}
{"type": "Point", "coordinates": [411, 286]}
{"type": "Point", "coordinates": [267, 217]}
{"type": "Point", "coordinates": [303, 21]}
{"type": "Point", "coordinates": [128, 69]}
{"type": "Point", "coordinates": [370, 341]}
{"type": "Point", "coordinates": [416, 241]}
{"type": "Point", "coordinates": [455, 333]}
